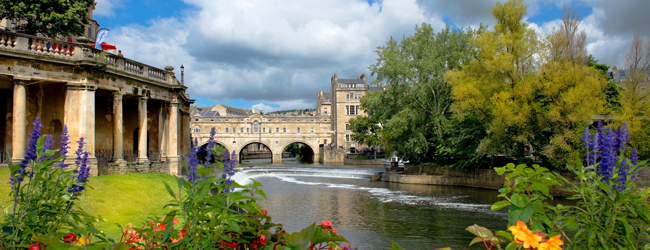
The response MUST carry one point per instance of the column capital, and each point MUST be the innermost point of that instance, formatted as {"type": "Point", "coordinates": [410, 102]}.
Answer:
{"type": "Point", "coordinates": [70, 86]}
{"type": "Point", "coordinates": [118, 94]}
{"type": "Point", "coordinates": [143, 98]}
{"type": "Point", "coordinates": [22, 82]}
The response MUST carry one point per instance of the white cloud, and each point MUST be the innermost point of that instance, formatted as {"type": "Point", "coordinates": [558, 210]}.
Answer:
{"type": "Point", "coordinates": [283, 52]}
{"type": "Point", "coordinates": [106, 7]}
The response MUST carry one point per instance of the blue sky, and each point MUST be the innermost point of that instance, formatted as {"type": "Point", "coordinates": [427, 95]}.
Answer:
{"type": "Point", "coordinates": [277, 54]}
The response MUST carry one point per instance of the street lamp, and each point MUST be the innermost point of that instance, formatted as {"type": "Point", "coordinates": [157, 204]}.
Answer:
{"type": "Point", "coordinates": [182, 74]}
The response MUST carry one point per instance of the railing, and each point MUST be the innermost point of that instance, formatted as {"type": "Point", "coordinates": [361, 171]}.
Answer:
{"type": "Point", "coordinates": [154, 155]}
{"type": "Point", "coordinates": [4, 157]}
{"type": "Point", "coordinates": [104, 156]}
{"type": "Point", "coordinates": [130, 155]}
{"type": "Point", "coordinates": [28, 44]}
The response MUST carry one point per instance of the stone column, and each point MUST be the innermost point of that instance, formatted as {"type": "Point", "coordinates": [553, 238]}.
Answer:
{"type": "Point", "coordinates": [173, 142]}
{"type": "Point", "coordinates": [142, 141]}
{"type": "Point", "coordinates": [79, 117]}
{"type": "Point", "coordinates": [19, 133]}
{"type": "Point", "coordinates": [118, 133]}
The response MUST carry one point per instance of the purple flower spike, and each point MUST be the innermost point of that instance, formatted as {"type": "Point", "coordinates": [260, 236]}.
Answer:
{"type": "Point", "coordinates": [30, 151]}
{"type": "Point", "coordinates": [83, 170]}
{"type": "Point", "coordinates": [63, 148]}
{"type": "Point", "coordinates": [634, 157]}
{"type": "Point", "coordinates": [193, 163]}
{"type": "Point", "coordinates": [47, 145]}
{"type": "Point", "coordinates": [211, 144]}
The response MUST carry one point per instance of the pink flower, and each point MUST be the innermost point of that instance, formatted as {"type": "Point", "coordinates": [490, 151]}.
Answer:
{"type": "Point", "coordinates": [326, 224]}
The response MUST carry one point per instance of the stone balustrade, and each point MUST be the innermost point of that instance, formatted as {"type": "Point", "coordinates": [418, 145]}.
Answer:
{"type": "Point", "coordinates": [28, 45]}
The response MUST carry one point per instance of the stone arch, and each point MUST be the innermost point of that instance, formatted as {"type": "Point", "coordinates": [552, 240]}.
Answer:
{"type": "Point", "coordinates": [310, 145]}
{"type": "Point", "coordinates": [242, 145]}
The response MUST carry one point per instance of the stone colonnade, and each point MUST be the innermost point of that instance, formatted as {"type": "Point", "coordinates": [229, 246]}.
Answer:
{"type": "Point", "coordinates": [80, 118]}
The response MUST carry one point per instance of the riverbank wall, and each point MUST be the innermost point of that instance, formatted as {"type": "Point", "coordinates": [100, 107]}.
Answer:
{"type": "Point", "coordinates": [481, 178]}
{"type": "Point", "coordinates": [348, 161]}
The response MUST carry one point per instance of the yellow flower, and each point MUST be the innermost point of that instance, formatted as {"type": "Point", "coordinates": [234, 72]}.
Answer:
{"type": "Point", "coordinates": [81, 241]}
{"type": "Point", "coordinates": [553, 243]}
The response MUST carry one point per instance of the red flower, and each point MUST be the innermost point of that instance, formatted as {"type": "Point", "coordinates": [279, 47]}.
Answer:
{"type": "Point", "coordinates": [264, 211]}
{"type": "Point", "coordinates": [175, 221]}
{"type": "Point", "coordinates": [34, 247]}
{"type": "Point", "coordinates": [326, 224]}
{"type": "Point", "coordinates": [70, 238]}
{"type": "Point", "coordinates": [180, 236]}
{"type": "Point", "coordinates": [262, 240]}
{"type": "Point", "coordinates": [347, 247]}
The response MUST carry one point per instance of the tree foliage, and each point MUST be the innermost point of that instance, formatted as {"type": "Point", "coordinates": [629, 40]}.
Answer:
{"type": "Point", "coordinates": [410, 115]}
{"type": "Point", "coordinates": [47, 17]}
{"type": "Point", "coordinates": [634, 98]}
{"type": "Point", "coordinates": [534, 95]}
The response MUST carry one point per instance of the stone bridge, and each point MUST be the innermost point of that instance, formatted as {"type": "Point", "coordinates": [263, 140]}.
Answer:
{"type": "Point", "coordinates": [274, 132]}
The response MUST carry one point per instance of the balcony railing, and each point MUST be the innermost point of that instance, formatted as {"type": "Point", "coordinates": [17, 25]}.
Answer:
{"type": "Point", "coordinates": [80, 53]}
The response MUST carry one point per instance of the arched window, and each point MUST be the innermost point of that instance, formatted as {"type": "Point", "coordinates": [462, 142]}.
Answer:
{"type": "Point", "coordinates": [256, 127]}
{"type": "Point", "coordinates": [197, 130]}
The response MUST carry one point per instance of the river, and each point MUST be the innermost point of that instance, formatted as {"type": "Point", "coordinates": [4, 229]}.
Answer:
{"type": "Point", "coordinates": [370, 214]}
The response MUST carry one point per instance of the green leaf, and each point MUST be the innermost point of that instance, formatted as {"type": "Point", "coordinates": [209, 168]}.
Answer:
{"type": "Point", "coordinates": [204, 171]}
{"type": "Point", "coordinates": [519, 200]}
{"type": "Point", "coordinates": [234, 226]}
{"type": "Point", "coordinates": [395, 246]}
{"type": "Point", "coordinates": [499, 205]}
{"type": "Point", "coordinates": [475, 240]}
{"type": "Point", "coordinates": [169, 190]}
{"type": "Point", "coordinates": [504, 236]}
{"type": "Point", "coordinates": [541, 187]}
{"type": "Point", "coordinates": [511, 246]}
{"type": "Point", "coordinates": [480, 231]}
{"type": "Point", "coordinates": [570, 223]}
{"type": "Point", "coordinates": [516, 213]}
{"type": "Point", "coordinates": [500, 170]}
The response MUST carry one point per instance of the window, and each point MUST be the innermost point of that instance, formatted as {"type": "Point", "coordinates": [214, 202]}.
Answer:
{"type": "Point", "coordinates": [347, 137]}
{"type": "Point", "coordinates": [325, 141]}
{"type": "Point", "coordinates": [256, 127]}
{"type": "Point", "coordinates": [248, 130]}
{"type": "Point", "coordinates": [325, 110]}
{"type": "Point", "coordinates": [277, 130]}
{"type": "Point", "coordinates": [277, 142]}
{"type": "Point", "coordinates": [197, 130]}
{"type": "Point", "coordinates": [297, 130]}
{"type": "Point", "coordinates": [196, 120]}
{"type": "Point", "coordinates": [312, 130]}
{"type": "Point", "coordinates": [284, 130]}
{"type": "Point", "coordinates": [226, 130]}
{"type": "Point", "coordinates": [263, 130]}
{"type": "Point", "coordinates": [234, 130]}
{"type": "Point", "coordinates": [325, 130]}
{"type": "Point", "coordinates": [242, 130]}
{"type": "Point", "coordinates": [351, 109]}
{"type": "Point", "coordinates": [347, 126]}
{"type": "Point", "coordinates": [270, 130]}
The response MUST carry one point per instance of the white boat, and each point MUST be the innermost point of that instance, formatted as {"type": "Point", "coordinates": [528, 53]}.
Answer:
{"type": "Point", "coordinates": [394, 158]}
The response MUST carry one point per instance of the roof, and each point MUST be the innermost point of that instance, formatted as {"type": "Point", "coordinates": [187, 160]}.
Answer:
{"type": "Point", "coordinates": [374, 88]}
{"type": "Point", "coordinates": [206, 113]}
{"type": "Point", "coordinates": [355, 81]}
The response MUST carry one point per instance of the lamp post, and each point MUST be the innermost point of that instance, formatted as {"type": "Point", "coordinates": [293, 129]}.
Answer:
{"type": "Point", "coordinates": [182, 74]}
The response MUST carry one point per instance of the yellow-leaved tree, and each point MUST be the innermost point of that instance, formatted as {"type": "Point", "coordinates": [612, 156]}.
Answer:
{"type": "Point", "coordinates": [535, 95]}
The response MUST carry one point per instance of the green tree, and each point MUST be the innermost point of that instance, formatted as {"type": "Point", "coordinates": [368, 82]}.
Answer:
{"type": "Point", "coordinates": [47, 17]}
{"type": "Point", "coordinates": [415, 106]}
{"type": "Point", "coordinates": [612, 92]}
{"type": "Point", "coordinates": [635, 98]}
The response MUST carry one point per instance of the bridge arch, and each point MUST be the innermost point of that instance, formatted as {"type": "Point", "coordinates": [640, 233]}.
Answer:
{"type": "Point", "coordinates": [244, 145]}
{"type": "Point", "coordinates": [310, 157]}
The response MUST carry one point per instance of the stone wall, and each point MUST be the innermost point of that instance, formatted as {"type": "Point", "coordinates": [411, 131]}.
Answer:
{"type": "Point", "coordinates": [331, 155]}
{"type": "Point", "coordinates": [347, 161]}
{"type": "Point", "coordinates": [127, 167]}
{"type": "Point", "coordinates": [483, 178]}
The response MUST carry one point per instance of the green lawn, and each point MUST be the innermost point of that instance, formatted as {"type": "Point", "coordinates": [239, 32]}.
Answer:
{"type": "Point", "coordinates": [123, 199]}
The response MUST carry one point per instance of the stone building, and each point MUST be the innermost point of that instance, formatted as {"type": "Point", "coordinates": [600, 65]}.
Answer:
{"type": "Point", "coordinates": [132, 115]}
{"type": "Point", "coordinates": [250, 130]}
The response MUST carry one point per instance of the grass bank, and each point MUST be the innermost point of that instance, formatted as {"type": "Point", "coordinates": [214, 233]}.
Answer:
{"type": "Point", "coordinates": [123, 199]}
